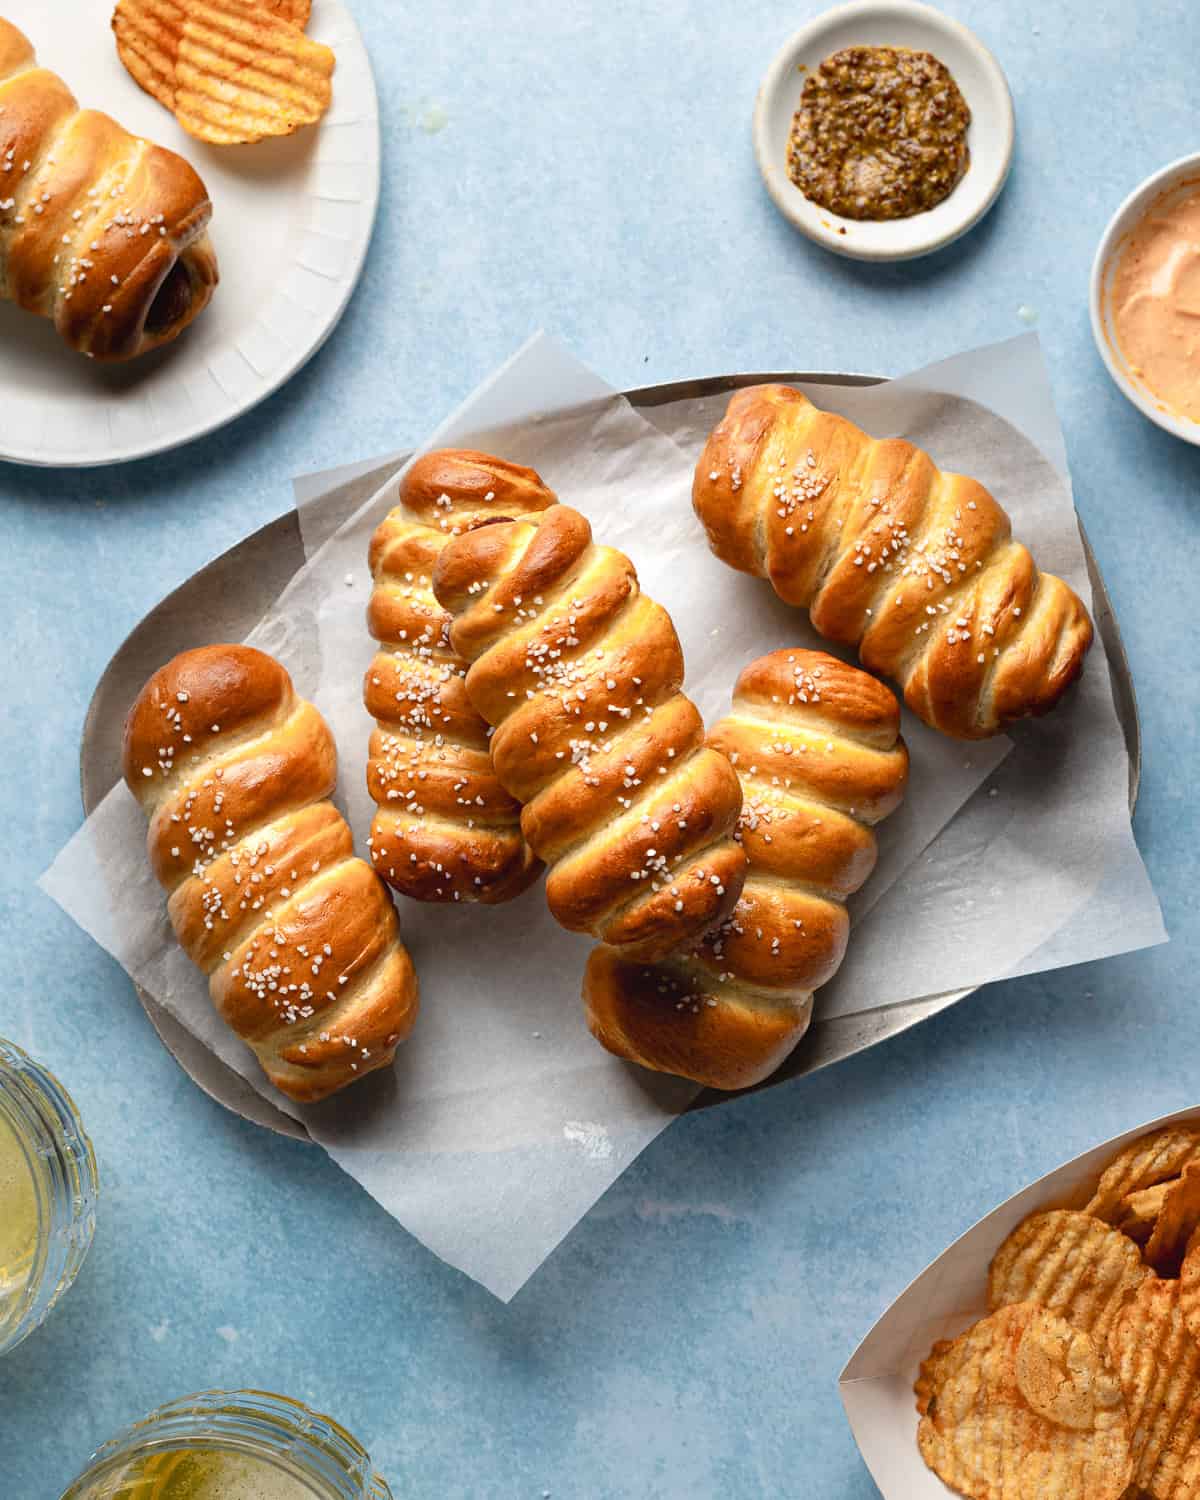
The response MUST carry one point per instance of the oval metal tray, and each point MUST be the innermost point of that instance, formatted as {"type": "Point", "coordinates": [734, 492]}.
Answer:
{"type": "Point", "coordinates": [245, 580]}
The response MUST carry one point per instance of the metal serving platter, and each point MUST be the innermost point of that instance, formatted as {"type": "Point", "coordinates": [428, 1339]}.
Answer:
{"type": "Point", "coordinates": [240, 585]}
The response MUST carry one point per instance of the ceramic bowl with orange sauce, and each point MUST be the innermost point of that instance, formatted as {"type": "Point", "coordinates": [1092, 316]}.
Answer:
{"type": "Point", "coordinates": [1145, 298]}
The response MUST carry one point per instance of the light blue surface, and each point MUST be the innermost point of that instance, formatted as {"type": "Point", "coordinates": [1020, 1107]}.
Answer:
{"type": "Point", "coordinates": [595, 177]}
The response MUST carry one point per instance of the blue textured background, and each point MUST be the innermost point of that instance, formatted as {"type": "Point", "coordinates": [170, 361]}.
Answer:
{"type": "Point", "coordinates": [595, 177]}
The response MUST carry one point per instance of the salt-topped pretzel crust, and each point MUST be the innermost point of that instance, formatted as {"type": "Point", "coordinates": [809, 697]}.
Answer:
{"type": "Point", "coordinates": [445, 829]}
{"type": "Point", "coordinates": [915, 567]}
{"type": "Point", "coordinates": [100, 231]}
{"type": "Point", "coordinates": [298, 938]}
{"type": "Point", "coordinates": [816, 746]}
{"type": "Point", "coordinates": [580, 674]}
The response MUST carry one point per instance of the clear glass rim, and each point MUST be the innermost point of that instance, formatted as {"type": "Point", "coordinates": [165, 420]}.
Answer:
{"type": "Point", "coordinates": [16, 1116]}
{"type": "Point", "coordinates": [257, 1423]}
{"type": "Point", "coordinates": [66, 1183]}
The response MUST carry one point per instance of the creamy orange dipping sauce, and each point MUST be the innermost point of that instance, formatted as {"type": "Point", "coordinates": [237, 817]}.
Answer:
{"type": "Point", "coordinates": [1155, 301]}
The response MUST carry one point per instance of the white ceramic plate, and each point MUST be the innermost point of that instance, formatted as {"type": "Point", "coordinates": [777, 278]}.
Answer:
{"type": "Point", "coordinates": [1181, 176]}
{"type": "Point", "coordinates": [888, 23]}
{"type": "Point", "coordinates": [292, 219]}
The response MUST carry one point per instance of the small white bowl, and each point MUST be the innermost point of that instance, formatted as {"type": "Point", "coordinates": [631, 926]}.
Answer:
{"type": "Point", "coordinates": [1184, 173]}
{"type": "Point", "coordinates": [888, 23]}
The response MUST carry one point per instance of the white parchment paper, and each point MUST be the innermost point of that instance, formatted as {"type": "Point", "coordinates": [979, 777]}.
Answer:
{"type": "Point", "coordinates": [502, 1121]}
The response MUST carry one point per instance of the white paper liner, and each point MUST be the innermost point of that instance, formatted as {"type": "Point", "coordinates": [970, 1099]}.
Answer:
{"type": "Point", "coordinates": [502, 1121]}
{"type": "Point", "coordinates": [876, 1386]}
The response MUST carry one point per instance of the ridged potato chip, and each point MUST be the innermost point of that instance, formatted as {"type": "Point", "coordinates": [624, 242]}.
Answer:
{"type": "Point", "coordinates": [232, 71]}
{"type": "Point", "coordinates": [1022, 1407]}
{"type": "Point", "coordinates": [1139, 1211]}
{"type": "Point", "coordinates": [1153, 1159]}
{"type": "Point", "coordinates": [295, 11]}
{"type": "Point", "coordinates": [1189, 1287]}
{"type": "Point", "coordinates": [1158, 1364]}
{"type": "Point", "coordinates": [1070, 1263]}
{"type": "Point", "coordinates": [1178, 1217]}
{"type": "Point", "coordinates": [933, 1368]}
